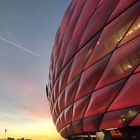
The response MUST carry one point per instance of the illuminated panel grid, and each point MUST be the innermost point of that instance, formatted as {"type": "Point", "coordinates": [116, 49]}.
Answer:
{"type": "Point", "coordinates": [94, 75]}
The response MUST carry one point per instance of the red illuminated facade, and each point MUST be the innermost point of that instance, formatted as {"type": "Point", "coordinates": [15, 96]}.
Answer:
{"type": "Point", "coordinates": [94, 76]}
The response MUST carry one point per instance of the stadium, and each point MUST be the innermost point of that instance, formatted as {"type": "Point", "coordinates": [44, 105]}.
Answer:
{"type": "Point", "coordinates": [94, 74]}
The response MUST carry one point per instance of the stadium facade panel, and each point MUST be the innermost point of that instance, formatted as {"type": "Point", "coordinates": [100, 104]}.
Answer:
{"type": "Point", "coordinates": [94, 74]}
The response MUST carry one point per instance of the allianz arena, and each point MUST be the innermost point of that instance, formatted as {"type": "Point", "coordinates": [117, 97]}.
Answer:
{"type": "Point", "coordinates": [94, 75]}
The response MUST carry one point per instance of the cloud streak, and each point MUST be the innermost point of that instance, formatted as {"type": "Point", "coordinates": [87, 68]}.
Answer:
{"type": "Point", "coordinates": [20, 47]}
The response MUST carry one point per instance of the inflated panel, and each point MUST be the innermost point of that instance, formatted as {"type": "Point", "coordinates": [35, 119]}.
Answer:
{"type": "Point", "coordinates": [101, 99]}
{"type": "Point", "coordinates": [90, 77]}
{"type": "Point", "coordinates": [113, 34]}
{"type": "Point", "coordinates": [136, 121]}
{"type": "Point", "coordinates": [119, 118]}
{"type": "Point", "coordinates": [122, 63]}
{"type": "Point", "coordinates": [129, 95]}
{"type": "Point", "coordinates": [92, 123]}
{"type": "Point", "coordinates": [133, 32]}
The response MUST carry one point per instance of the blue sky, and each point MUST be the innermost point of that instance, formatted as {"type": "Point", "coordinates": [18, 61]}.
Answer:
{"type": "Point", "coordinates": [29, 24]}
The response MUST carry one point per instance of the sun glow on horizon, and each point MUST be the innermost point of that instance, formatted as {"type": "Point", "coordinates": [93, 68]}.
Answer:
{"type": "Point", "coordinates": [37, 130]}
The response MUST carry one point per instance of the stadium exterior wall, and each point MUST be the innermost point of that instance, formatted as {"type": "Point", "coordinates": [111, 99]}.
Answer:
{"type": "Point", "coordinates": [94, 74]}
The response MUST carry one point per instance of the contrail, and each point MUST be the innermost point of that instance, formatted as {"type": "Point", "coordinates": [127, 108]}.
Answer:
{"type": "Point", "coordinates": [19, 46]}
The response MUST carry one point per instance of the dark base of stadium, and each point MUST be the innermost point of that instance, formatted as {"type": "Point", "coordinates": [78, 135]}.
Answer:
{"type": "Point", "coordinates": [127, 133]}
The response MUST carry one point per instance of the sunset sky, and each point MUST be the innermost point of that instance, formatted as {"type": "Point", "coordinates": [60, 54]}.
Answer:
{"type": "Point", "coordinates": [27, 30]}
